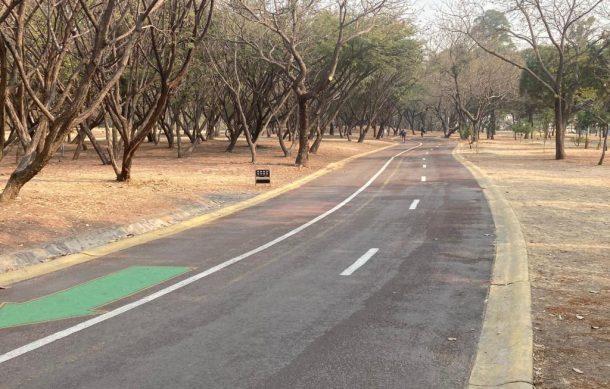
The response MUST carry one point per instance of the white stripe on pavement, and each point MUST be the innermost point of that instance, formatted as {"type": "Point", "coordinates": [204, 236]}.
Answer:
{"type": "Point", "coordinates": [423, 178]}
{"type": "Point", "coordinates": [181, 284]}
{"type": "Point", "coordinates": [414, 204]}
{"type": "Point", "coordinates": [359, 262]}
{"type": "Point", "coordinates": [424, 166]}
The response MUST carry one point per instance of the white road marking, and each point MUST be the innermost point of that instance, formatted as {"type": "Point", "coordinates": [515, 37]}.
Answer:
{"type": "Point", "coordinates": [423, 178]}
{"type": "Point", "coordinates": [359, 262]}
{"type": "Point", "coordinates": [424, 166]}
{"type": "Point", "coordinates": [427, 152]}
{"type": "Point", "coordinates": [181, 284]}
{"type": "Point", "coordinates": [423, 159]}
{"type": "Point", "coordinates": [414, 204]}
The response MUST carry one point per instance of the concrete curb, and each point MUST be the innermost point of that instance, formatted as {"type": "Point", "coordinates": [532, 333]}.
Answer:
{"type": "Point", "coordinates": [33, 268]}
{"type": "Point", "coordinates": [505, 350]}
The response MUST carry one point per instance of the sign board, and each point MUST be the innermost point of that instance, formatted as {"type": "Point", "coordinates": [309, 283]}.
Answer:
{"type": "Point", "coordinates": [263, 176]}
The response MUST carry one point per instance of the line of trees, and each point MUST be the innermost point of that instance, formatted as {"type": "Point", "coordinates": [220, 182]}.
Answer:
{"type": "Point", "coordinates": [154, 70]}
{"type": "Point", "coordinates": [523, 64]}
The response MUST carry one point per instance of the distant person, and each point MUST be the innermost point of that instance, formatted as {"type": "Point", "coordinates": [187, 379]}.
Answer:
{"type": "Point", "coordinates": [403, 135]}
{"type": "Point", "coordinates": [423, 131]}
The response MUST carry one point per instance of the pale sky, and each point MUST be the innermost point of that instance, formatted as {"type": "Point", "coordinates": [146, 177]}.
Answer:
{"type": "Point", "coordinates": [424, 13]}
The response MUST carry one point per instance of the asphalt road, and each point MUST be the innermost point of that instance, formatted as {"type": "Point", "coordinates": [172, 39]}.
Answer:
{"type": "Point", "coordinates": [285, 316]}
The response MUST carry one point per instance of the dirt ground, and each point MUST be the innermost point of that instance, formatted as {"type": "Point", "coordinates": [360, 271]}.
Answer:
{"type": "Point", "coordinates": [70, 197]}
{"type": "Point", "coordinates": [564, 210]}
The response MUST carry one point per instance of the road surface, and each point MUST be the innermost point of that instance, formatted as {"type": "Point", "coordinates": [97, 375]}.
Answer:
{"type": "Point", "coordinates": [373, 276]}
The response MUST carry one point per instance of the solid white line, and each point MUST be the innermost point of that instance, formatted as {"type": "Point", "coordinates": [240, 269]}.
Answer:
{"type": "Point", "coordinates": [125, 308]}
{"type": "Point", "coordinates": [423, 178]}
{"type": "Point", "coordinates": [424, 166]}
{"type": "Point", "coordinates": [359, 262]}
{"type": "Point", "coordinates": [414, 204]}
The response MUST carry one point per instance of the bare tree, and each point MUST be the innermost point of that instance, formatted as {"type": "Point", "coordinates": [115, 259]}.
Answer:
{"type": "Point", "coordinates": [226, 67]}
{"type": "Point", "coordinates": [480, 83]}
{"type": "Point", "coordinates": [290, 21]}
{"type": "Point", "coordinates": [156, 71]}
{"type": "Point", "coordinates": [538, 23]}
{"type": "Point", "coordinates": [50, 95]}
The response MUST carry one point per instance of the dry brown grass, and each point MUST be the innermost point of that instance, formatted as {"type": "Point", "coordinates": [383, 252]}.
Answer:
{"type": "Point", "coordinates": [72, 197]}
{"type": "Point", "coordinates": [564, 210]}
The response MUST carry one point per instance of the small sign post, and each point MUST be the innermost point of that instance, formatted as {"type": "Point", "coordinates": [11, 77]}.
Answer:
{"type": "Point", "coordinates": [262, 176]}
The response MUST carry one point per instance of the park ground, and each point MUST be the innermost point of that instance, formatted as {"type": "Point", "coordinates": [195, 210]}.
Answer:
{"type": "Point", "coordinates": [564, 211]}
{"type": "Point", "coordinates": [562, 206]}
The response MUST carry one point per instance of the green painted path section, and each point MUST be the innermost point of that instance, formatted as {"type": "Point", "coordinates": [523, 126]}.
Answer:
{"type": "Point", "coordinates": [83, 299]}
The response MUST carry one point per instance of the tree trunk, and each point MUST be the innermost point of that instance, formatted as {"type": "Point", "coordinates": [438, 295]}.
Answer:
{"type": "Point", "coordinates": [3, 88]}
{"type": "Point", "coordinates": [560, 130]}
{"type": "Point", "coordinates": [211, 127]}
{"type": "Point", "coordinates": [111, 149]}
{"type": "Point", "coordinates": [303, 153]}
{"type": "Point", "coordinates": [491, 131]}
{"type": "Point", "coordinates": [601, 160]}
{"type": "Point", "coordinates": [234, 135]}
{"type": "Point", "coordinates": [348, 132]}
{"type": "Point", "coordinates": [96, 145]}
{"type": "Point", "coordinates": [128, 155]}
{"type": "Point", "coordinates": [169, 135]}
{"type": "Point", "coordinates": [587, 138]}
{"type": "Point", "coordinates": [280, 137]}
{"type": "Point", "coordinates": [21, 176]}
{"type": "Point", "coordinates": [251, 144]}
{"type": "Point", "coordinates": [316, 144]}
{"type": "Point", "coordinates": [475, 132]}
{"type": "Point", "coordinates": [364, 132]}
{"type": "Point", "coordinates": [381, 131]}
{"type": "Point", "coordinates": [178, 139]}
{"type": "Point", "coordinates": [79, 146]}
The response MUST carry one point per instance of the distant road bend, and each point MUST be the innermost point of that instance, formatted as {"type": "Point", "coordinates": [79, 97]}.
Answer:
{"type": "Point", "coordinates": [373, 276]}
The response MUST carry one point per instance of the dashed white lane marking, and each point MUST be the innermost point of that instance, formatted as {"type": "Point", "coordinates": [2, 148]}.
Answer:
{"type": "Point", "coordinates": [423, 159]}
{"type": "Point", "coordinates": [181, 284]}
{"type": "Point", "coordinates": [359, 262]}
{"type": "Point", "coordinates": [424, 166]}
{"type": "Point", "coordinates": [423, 178]}
{"type": "Point", "coordinates": [414, 204]}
